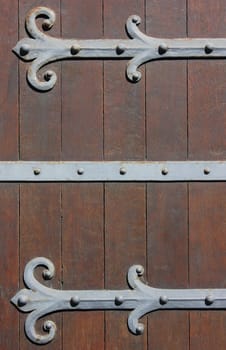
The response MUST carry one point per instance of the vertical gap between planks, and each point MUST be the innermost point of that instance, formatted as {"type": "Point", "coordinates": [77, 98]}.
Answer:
{"type": "Point", "coordinates": [188, 186]}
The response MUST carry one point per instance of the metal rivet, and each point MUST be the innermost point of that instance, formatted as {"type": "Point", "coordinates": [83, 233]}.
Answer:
{"type": "Point", "coordinates": [22, 301]}
{"type": "Point", "coordinates": [24, 50]}
{"type": "Point", "coordinates": [74, 301]}
{"type": "Point", "coordinates": [140, 270]}
{"type": "Point", "coordinates": [75, 49]}
{"type": "Point", "coordinates": [46, 24]}
{"type": "Point", "coordinates": [48, 325]}
{"type": "Point", "coordinates": [206, 171]}
{"type": "Point", "coordinates": [48, 75]}
{"type": "Point", "coordinates": [135, 19]}
{"type": "Point", "coordinates": [119, 299]}
{"type": "Point", "coordinates": [162, 49]}
{"type": "Point", "coordinates": [209, 48]}
{"type": "Point", "coordinates": [140, 329]}
{"type": "Point", "coordinates": [209, 300]}
{"type": "Point", "coordinates": [80, 171]}
{"type": "Point", "coordinates": [37, 171]}
{"type": "Point", "coordinates": [136, 76]}
{"type": "Point", "coordinates": [120, 49]}
{"type": "Point", "coordinates": [163, 300]}
{"type": "Point", "coordinates": [123, 171]}
{"type": "Point", "coordinates": [46, 275]}
{"type": "Point", "coordinates": [165, 171]}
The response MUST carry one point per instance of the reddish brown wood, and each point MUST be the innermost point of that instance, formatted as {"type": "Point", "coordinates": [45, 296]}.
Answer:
{"type": "Point", "coordinates": [40, 113]}
{"type": "Point", "coordinates": [40, 204]}
{"type": "Point", "coordinates": [9, 194]}
{"type": "Point", "coordinates": [82, 139]}
{"type": "Point", "coordinates": [207, 131]}
{"type": "Point", "coordinates": [125, 213]}
{"type": "Point", "coordinates": [9, 265]}
{"type": "Point", "coordinates": [167, 230]}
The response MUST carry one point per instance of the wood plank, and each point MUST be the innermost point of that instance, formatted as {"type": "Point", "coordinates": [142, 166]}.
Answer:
{"type": "Point", "coordinates": [125, 206]}
{"type": "Point", "coordinates": [40, 113]}
{"type": "Point", "coordinates": [9, 265]}
{"type": "Point", "coordinates": [207, 131]}
{"type": "Point", "coordinates": [9, 194]}
{"type": "Point", "coordinates": [82, 139]}
{"type": "Point", "coordinates": [40, 204]}
{"type": "Point", "coordinates": [167, 231]}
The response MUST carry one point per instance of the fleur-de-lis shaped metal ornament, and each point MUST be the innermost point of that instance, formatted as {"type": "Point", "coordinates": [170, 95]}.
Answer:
{"type": "Point", "coordinates": [43, 49]}
{"type": "Point", "coordinates": [40, 300]}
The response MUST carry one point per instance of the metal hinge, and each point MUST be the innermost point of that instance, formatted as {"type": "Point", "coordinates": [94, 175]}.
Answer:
{"type": "Point", "coordinates": [140, 298]}
{"type": "Point", "coordinates": [124, 171]}
{"type": "Point", "coordinates": [43, 49]}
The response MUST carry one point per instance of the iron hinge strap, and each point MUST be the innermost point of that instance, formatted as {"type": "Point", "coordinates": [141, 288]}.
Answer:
{"type": "Point", "coordinates": [142, 299]}
{"type": "Point", "coordinates": [43, 49]}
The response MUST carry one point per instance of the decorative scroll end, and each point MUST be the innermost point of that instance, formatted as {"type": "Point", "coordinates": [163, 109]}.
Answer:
{"type": "Point", "coordinates": [134, 274]}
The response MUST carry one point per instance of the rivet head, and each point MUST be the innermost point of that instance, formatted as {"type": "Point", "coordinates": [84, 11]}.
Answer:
{"type": "Point", "coordinates": [48, 75]}
{"type": "Point", "coordinates": [123, 171]}
{"type": "Point", "coordinates": [209, 300]}
{"type": "Point", "coordinates": [209, 49]}
{"type": "Point", "coordinates": [163, 300]}
{"type": "Point", "coordinates": [206, 171]}
{"type": "Point", "coordinates": [80, 171]}
{"type": "Point", "coordinates": [37, 171]}
{"type": "Point", "coordinates": [140, 329]}
{"type": "Point", "coordinates": [46, 275]}
{"type": "Point", "coordinates": [75, 49]}
{"type": "Point", "coordinates": [120, 49]}
{"type": "Point", "coordinates": [74, 301]}
{"type": "Point", "coordinates": [140, 270]}
{"type": "Point", "coordinates": [136, 76]}
{"type": "Point", "coordinates": [162, 49]}
{"type": "Point", "coordinates": [48, 325]}
{"type": "Point", "coordinates": [119, 300]}
{"type": "Point", "coordinates": [46, 24]}
{"type": "Point", "coordinates": [24, 50]}
{"type": "Point", "coordinates": [165, 171]}
{"type": "Point", "coordinates": [22, 300]}
{"type": "Point", "coordinates": [135, 19]}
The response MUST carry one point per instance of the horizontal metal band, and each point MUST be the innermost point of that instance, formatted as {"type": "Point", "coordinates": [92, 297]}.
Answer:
{"type": "Point", "coordinates": [142, 299]}
{"type": "Point", "coordinates": [26, 171]}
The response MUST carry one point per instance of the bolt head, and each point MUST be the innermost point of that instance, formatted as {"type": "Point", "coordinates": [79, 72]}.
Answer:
{"type": "Point", "coordinates": [22, 300]}
{"type": "Point", "coordinates": [119, 299]}
{"type": "Point", "coordinates": [75, 49]}
{"type": "Point", "coordinates": [206, 171]}
{"type": "Point", "coordinates": [162, 49]}
{"type": "Point", "coordinates": [165, 171]}
{"type": "Point", "coordinates": [163, 300]}
{"type": "Point", "coordinates": [135, 19]}
{"type": "Point", "coordinates": [140, 329]}
{"type": "Point", "coordinates": [120, 49]}
{"type": "Point", "coordinates": [80, 171]}
{"type": "Point", "coordinates": [140, 270]}
{"type": "Point", "coordinates": [74, 301]}
{"type": "Point", "coordinates": [46, 275]}
{"type": "Point", "coordinates": [37, 171]}
{"type": "Point", "coordinates": [24, 50]}
{"type": "Point", "coordinates": [209, 300]}
{"type": "Point", "coordinates": [48, 325]}
{"type": "Point", "coordinates": [48, 75]}
{"type": "Point", "coordinates": [209, 49]}
{"type": "Point", "coordinates": [123, 171]}
{"type": "Point", "coordinates": [136, 76]}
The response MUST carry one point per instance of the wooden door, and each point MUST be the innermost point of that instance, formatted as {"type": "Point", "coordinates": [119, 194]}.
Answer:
{"type": "Point", "coordinates": [94, 232]}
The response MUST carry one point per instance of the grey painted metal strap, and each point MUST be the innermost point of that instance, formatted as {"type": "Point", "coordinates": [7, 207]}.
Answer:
{"type": "Point", "coordinates": [142, 299]}
{"type": "Point", "coordinates": [26, 171]}
{"type": "Point", "coordinates": [43, 49]}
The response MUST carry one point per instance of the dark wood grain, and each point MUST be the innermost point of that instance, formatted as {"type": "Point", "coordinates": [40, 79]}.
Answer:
{"type": "Point", "coordinates": [9, 265]}
{"type": "Point", "coordinates": [9, 193]}
{"type": "Point", "coordinates": [207, 135]}
{"type": "Point", "coordinates": [125, 206]}
{"type": "Point", "coordinates": [167, 229]}
{"type": "Point", "coordinates": [82, 139]}
{"type": "Point", "coordinates": [40, 204]}
{"type": "Point", "coordinates": [40, 113]}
